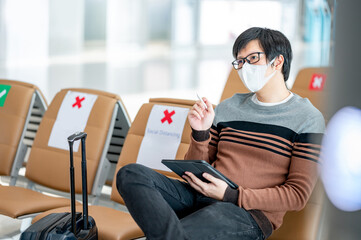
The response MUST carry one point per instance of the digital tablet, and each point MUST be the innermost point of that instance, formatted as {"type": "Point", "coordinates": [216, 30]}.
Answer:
{"type": "Point", "coordinates": [197, 167]}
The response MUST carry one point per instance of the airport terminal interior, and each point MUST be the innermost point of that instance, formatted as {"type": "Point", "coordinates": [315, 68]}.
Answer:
{"type": "Point", "coordinates": [142, 49]}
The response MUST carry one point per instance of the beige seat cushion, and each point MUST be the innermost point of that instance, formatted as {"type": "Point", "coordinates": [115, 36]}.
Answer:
{"type": "Point", "coordinates": [112, 224]}
{"type": "Point", "coordinates": [27, 201]}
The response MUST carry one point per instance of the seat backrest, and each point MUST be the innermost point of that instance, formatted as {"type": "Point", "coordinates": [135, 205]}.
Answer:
{"type": "Point", "coordinates": [120, 130]}
{"type": "Point", "coordinates": [311, 83]}
{"type": "Point", "coordinates": [136, 134]}
{"type": "Point", "coordinates": [304, 224]}
{"type": "Point", "coordinates": [233, 85]}
{"type": "Point", "coordinates": [49, 166]}
{"type": "Point", "coordinates": [22, 106]}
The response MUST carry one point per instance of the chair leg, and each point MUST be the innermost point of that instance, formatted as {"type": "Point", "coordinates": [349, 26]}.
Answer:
{"type": "Point", "coordinates": [12, 181]}
{"type": "Point", "coordinates": [30, 185]}
{"type": "Point", "coordinates": [95, 200]}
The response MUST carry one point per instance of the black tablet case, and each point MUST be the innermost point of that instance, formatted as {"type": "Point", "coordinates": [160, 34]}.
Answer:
{"type": "Point", "coordinates": [197, 167]}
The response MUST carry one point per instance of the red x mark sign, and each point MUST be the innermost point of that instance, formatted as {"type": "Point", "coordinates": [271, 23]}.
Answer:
{"type": "Point", "coordinates": [317, 82]}
{"type": "Point", "coordinates": [167, 116]}
{"type": "Point", "coordinates": [78, 101]}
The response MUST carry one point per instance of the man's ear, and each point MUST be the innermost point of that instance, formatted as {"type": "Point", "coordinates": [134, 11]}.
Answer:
{"type": "Point", "coordinates": [278, 63]}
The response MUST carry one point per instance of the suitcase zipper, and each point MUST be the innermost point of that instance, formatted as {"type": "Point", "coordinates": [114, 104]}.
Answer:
{"type": "Point", "coordinates": [62, 226]}
{"type": "Point", "coordinates": [52, 226]}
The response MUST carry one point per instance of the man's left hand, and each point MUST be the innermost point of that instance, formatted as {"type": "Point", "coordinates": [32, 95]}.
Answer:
{"type": "Point", "coordinates": [214, 189]}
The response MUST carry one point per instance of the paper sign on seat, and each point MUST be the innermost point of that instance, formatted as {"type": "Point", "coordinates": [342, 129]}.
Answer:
{"type": "Point", "coordinates": [162, 136]}
{"type": "Point", "coordinates": [4, 90]}
{"type": "Point", "coordinates": [72, 117]}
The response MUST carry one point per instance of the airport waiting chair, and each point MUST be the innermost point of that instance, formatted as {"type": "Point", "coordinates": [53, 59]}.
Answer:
{"type": "Point", "coordinates": [48, 167]}
{"type": "Point", "coordinates": [21, 110]}
{"type": "Point", "coordinates": [115, 224]}
{"type": "Point", "coordinates": [304, 225]}
{"type": "Point", "coordinates": [136, 134]}
{"type": "Point", "coordinates": [311, 83]}
{"type": "Point", "coordinates": [233, 85]}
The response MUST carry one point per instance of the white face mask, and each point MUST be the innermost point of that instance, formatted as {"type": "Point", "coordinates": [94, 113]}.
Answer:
{"type": "Point", "coordinates": [254, 76]}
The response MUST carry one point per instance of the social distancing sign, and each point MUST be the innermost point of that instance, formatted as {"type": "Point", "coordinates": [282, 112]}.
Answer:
{"type": "Point", "coordinates": [317, 82]}
{"type": "Point", "coordinates": [72, 117]}
{"type": "Point", "coordinates": [4, 91]}
{"type": "Point", "coordinates": [162, 136]}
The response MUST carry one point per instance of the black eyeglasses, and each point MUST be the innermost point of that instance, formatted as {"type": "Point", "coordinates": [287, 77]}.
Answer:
{"type": "Point", "coordinates": [251, 59]}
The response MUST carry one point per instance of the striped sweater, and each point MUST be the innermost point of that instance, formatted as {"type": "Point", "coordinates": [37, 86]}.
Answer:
{"type": "Point", "coordinates": [271, 152]}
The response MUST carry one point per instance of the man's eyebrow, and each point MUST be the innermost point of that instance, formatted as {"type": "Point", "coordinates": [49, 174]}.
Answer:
{"type": "Point", "coordinates": [238, 57]}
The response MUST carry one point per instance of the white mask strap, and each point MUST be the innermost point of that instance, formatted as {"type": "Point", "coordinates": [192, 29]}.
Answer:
{"type": "Point", "coordinates": [272, 61]}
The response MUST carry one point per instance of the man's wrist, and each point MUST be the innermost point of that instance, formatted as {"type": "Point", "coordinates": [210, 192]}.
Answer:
{"type": "Point", "coordinates": [200, 135]}
{"type": "Point", "coordinates": [231, 195]}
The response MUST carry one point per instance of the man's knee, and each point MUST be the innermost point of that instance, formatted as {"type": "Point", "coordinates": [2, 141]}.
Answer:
{"type": "Point", "coordinates": [124, 175]}
{"type": "Point", "coordinates": [131, 173]}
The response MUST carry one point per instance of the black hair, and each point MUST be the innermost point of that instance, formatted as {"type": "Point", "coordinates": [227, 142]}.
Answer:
{"type": "Point", "coordinates": [273, 42]}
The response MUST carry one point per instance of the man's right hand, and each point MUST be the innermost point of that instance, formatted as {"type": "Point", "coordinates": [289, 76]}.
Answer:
{"type": "Point", "coordinates": [199, 117]}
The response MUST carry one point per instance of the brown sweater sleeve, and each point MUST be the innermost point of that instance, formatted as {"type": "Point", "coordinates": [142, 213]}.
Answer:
{"type": "Point", "coordinates": [203, 145]}
{"type": "Point", "coordinates": [295, 192]}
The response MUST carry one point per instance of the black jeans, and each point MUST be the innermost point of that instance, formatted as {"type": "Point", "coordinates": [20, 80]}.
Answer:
{"type": "Point", "coordinates": [165, 208]}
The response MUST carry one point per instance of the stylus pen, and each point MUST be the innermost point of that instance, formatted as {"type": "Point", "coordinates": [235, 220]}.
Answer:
{"type": "Point", "coordinates": [200, 99]}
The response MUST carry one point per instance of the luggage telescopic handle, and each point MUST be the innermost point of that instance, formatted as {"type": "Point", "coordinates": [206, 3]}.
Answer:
{"type": "Point", "coordinates": [71, 139]}
{"type": "Point", "coordinates": [76, 136]}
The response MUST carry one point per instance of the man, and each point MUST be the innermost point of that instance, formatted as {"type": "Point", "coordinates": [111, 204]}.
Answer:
{"type": "Point", "coordinates": [266, 141]}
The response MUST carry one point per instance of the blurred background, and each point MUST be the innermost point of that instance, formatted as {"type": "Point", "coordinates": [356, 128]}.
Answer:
{"type": "Point", "coordinates": [149, 48]}
{"type": "Point", "coordinates": [140, 49]}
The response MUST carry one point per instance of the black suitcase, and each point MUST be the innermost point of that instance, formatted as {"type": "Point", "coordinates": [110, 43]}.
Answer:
{"type": "Point", "coordinates": [67, 226]}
